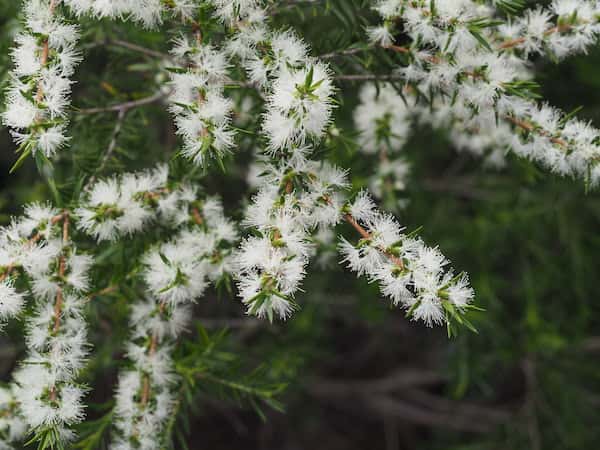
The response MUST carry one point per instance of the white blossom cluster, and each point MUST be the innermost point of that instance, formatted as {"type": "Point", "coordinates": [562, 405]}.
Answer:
{"type": "Point", "coordinates": [294, 200]}
{"type": "Point", "coordinates": [235, 11]}
{"type": "Point", "coordinates": [37, 251]}
{"type": "Point", "coordinates": [147, 12]}
{"type": "Point", "coordinates": [383, 120]}
{"type": "Point", "coordinates": [38, 95]}
{"type": "Point", "coordinates": [298, 88]}
{"type": "Point", "coordinates": [178, 271]}
{"type": "Point", "coordinates": [298, 107]}
{"type": "Point", "coordinates": [13, 427]}
{"type": "Point", "coordinates": [202, 113]}
{"type": "Point", "coordinates": [28, 247]}
{"type": "Point", "coordinates": [408, 272]}
{"type": "Point", "coordinates": [176, 274]}
{"type": "Point", "coordinates": [144, 397]}
{"type": "Point", "coordinates": [298, 196]}
{"type": "Point", "coordinates": [486, 84]}
{"type": "Point", "coordinates": [565, 28]}
{"type": "Point", "coordinates": [128, 203]}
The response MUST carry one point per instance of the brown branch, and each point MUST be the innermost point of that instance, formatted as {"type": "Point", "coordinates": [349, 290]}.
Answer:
{"type": "Point", "coordinates": [61, 273]}
{"type": "Point", "coordinates": [514, 42]}
{"type": "Point", "coordinates": [511, 43]}
{"type": "Point", "coordinates": [138, 48]}
{"type": "Point", "coordinates": [58, 304]}
{"type": "Point", "coordinates": [397, 48]}
{"type": "Point", "coordinates": [7, 273]}
{"type": "Point", "coordinates": [112, 145]}
{"type": "Point", "coordinates": [366, 235]}
{"type": "Point", "coordinates": [126, 106]}
{"type": "Point", "coordinates": [368, 77]}
{"type": "Point", "coordinates": [151, 351]}
{"type": "Point", "coordinates": [197, 216]}
{"type": "Point", "coordinates": [531, 128]}
{"type": "Point", "coordinates": [107, 290]}
{"type": "Point", "coordinates": [346, 52]}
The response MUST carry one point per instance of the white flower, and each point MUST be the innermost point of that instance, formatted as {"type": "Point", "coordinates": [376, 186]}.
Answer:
{"type": "Point", "coordinates": [11, 301]}
{"type": "Point", "coordinates": [36, 108]}
{"type": "Point", "coordinates": [380, 35]}
{"type": "Point", "coordinates": [299, 106]}
{"type": "Point", "coordinates": [408, 272]}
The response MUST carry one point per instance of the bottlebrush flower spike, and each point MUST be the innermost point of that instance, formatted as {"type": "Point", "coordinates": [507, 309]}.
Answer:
{"type": "Point", "coordinates": [38, 94]}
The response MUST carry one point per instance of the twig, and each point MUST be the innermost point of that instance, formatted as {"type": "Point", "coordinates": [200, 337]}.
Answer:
{"type": "Point", "coordinates": [111, 148]}
{"type": "Point", "coordinates": [106, 290]}
{"type": "Point", "coordinates": [126, 106]}
{"type": "Point", "coordinates": [129, 46]}
{"type": "Point", "coordinates": [347, 52]}
{"type": "Point", "coordinates": [368, 77]}
{"type": "Point", "coordinates": [151, 351]}
{"type": "Point", "coordinates": [58, 303]}
{"type": "Point", "coordinates": [7, 273]}
{"type": "Point", "coordinates": [61, 273]}
{"type": "Point", "coordinates": [138, 48]}
{"type": "Point", "coordinates": [366, 235]}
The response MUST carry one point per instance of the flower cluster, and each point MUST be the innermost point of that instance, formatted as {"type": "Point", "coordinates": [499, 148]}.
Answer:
{"type": "Point", "coordinates": [567, 27]}
{"type": "Point", "coordinates": [13, 427]}
{"type": "Point", "coordinates": [37, 249]}
{"type": "Point", "coordinates": [38, 95]}
{"type": "Point", "coordinates": [176, 274]}
{"type": "Point", "coordinates": [147, 12]}
{"type": "Point", "coordinates": [384, 121]}
{"type": "Point", "coordinates": [299, 196]}
{"type": "Point", "coordinates": [28, 247]}
{"type": "Point", "coordinates": [296, 196]}
{"type": "Point", "coordinates": [236, 10]}
{"type": "Point", "coordinates": [294, 200]}
{"type": "Point", "coordinates": [202, 112]}
{"type": "Point", "coordinates": [178, 271]}
{"type": "Point", "coordinates": [484, 84]}
{"type": "Point", "coordinates": [409, 273]}
{"type": "Point", "coordinates": [299, 106]}
{"type": "Point", "coordinates": [126, 204]}
{"type": "Point", "coordinates": [144, 398]}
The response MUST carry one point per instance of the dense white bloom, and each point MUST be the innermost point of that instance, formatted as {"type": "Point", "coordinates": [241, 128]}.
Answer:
{"type": "Point", "coordinates": [277, 51]}
{"type": "Point", "coordinates": [271, 267]}
{"type": "Point", "coordinates": [380, 35]}
{"type": "Point", "coordinates": [235, 10]}
{"type": "Point", "coordinates": [124, 205]}
{"type": "Point", "coordinates": [567, 27]}
{"type": "Point", "coordinates": [38, 247]}
{"type": "Point", "coordinates": [408, 272]}
{"type": "Point", "coordinates": [202, 112]}
{"type": "Point", "coordinates": [382, 118]}
{"type": "Point", "coordinates": [299, 106]}
{"type": "Point", "coordinates": [146, 12]}
{"type": "Point", "coordinates": [38, 95]}
{"type": "Point", "coordinates": [176, 273]}
{"type": "Point", "coordinates": [44, 388]}
{"type": "Point", "coordinates": [12, 425]}
{"type": "Point", "coordinates": [479, 87]}
{"type": "Point", "coordinates": [11, 301]}
{"type": "Point", "coordinates": [269, 275]}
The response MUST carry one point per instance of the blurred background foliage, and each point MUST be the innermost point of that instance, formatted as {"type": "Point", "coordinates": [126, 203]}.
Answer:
{"type": "Point", "coordinates": [348, 372]}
